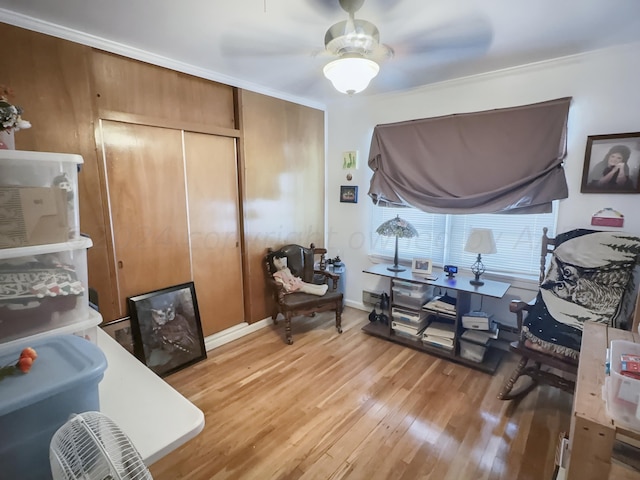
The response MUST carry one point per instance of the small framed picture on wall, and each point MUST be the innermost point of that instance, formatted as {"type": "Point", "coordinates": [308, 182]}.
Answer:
{"type": "Point", "coordinates": [348, 194]}
{"type": "Point", "coordinates": [612, 164]}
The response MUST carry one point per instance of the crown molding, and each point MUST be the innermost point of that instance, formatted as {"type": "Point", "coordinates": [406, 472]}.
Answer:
{"type": "Point", "coordinates": [65, 33]}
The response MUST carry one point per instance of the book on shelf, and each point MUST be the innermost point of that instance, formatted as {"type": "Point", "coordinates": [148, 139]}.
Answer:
{"type": "Point", "coordinates": [439, 342]}
{"type": "Point", "coordinates": [399, 327]}
{"type": "Point", "coordinates": [407, 313]}
{"type": "Point", "coordinates": [419, 324]}
{"type": "Point", "coordinates": [480, 337]}
{"type": "Point", "coordinates": [440, 334]}
{"type": "Point", "coordinates": [442, 303]}
{"type": "Point", "coordinates": [441, 329]}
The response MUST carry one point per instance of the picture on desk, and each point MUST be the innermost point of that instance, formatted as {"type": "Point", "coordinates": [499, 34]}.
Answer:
{"type": "Point", "coordinates": [421, 266]}
{"type": "Point", "coordinates": [166, 328]}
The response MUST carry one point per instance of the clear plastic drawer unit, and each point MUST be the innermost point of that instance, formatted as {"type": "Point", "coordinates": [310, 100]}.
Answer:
{"type": "Point", "coordinates": [38, 198]}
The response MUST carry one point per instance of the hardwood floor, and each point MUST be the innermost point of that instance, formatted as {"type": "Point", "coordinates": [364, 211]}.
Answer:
{"type": "Point", "coordinates": [354, 406]}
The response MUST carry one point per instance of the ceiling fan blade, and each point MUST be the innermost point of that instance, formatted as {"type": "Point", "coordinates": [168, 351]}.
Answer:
{"type": "Point", "coordinates": [262, 44]}
{"type": "Point", "coordinates": [293, 78]}
{"type": "Point", "coordinates": [472, 32]}
{"type": "Point", "coordinates": [333, 7]}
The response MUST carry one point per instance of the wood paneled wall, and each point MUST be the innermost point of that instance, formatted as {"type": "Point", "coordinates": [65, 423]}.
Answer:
{"type": "Point", "coordinates": [65, 88]}
{"type": "Point", "coordinates": [284, 176]}
{"type": "Point", "coordinates": [159, 96]}
{"type": "Point", "coordinates": [51, 80]}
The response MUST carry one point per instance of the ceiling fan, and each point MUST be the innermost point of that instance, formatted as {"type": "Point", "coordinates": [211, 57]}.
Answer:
{"type": "Point", "coordinates": [357, 44]}
{"type": "Point", "coordinates": [421, 43]}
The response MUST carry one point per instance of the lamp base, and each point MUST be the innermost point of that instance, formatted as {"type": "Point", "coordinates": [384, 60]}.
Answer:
{"type": "Point", "coordinates": [396, 268]}
{"type": "Point", "coordinates": [476, 282]}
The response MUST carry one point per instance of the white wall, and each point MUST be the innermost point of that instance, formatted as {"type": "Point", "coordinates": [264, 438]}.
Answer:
{"type": "Point", "coordinates": [606, 99]}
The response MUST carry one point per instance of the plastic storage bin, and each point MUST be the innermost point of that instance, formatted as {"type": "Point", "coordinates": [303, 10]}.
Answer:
{"type": "Point", "coordinates": [472, 351]}
{"type": "Point", "coordinates": [409, 298]}
{"type": "Point", "coordinates": [43, 288]}
{"type": "Point", "coordinates": [418, 289]}
{"type": "Point", "coordinates": [622, 393]}
{"type": "Point", "coordinates": [87, 329]}
{"type": "Point", "coordinates": [63, 380]}
{"type": "Point", "coordinates": [38, 198]}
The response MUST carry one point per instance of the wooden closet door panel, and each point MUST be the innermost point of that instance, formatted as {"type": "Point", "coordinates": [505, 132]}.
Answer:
{"type": "Point", "coordinates": [284, 186]}
{"type": "Point", "coordinates": [212, 185]}
{"type": "Point", "coordinates": [145, 179]}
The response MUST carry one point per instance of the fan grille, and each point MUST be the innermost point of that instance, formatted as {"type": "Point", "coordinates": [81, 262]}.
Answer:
{"type": "Point", "coordinates": [90, 446]}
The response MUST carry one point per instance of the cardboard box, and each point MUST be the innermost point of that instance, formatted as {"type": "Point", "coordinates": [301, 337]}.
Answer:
{"type": "Point", "coordinates": [32, 216]}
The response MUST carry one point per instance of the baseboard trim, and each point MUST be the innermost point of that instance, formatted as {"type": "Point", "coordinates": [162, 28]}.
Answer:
{"type": "Point", "coordinates": [238, 331]}
{"type": "Point", "coordinates": [233, 333]}
{"type": "Point", "coordinates": [356, 305]}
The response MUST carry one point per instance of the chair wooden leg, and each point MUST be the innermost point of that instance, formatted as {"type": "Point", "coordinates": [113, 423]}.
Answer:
{"type": "Point", "coordinates": [287, 328]}
{"type": "Point", "coordinates": [505, 393]}
{"type": "Point", "coordinates": [339, 318]}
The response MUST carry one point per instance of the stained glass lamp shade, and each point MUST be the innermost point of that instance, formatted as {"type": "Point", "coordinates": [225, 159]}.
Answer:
{"type": "Point", "coordinates": [399, 228]}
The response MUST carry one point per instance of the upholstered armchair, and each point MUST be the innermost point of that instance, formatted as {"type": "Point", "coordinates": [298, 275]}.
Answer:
{"type": "Point", "coordinates": [303, 295]}
{"type": "Point", "coordinates": [589, 278]}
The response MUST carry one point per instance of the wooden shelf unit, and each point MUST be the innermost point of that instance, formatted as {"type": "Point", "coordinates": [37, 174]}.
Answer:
{"type": "Point", "coordinates": [593, 432]}
{"type": "Point", "coordinates": [461, 284]}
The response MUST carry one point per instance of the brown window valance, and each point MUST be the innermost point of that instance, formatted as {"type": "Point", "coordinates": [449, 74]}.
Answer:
{"type": "Point", "coordinates": [497, 161]}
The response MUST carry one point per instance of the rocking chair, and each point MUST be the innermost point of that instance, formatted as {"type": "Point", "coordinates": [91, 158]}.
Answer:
{"type": "Point", "coordinates": [535, 360]}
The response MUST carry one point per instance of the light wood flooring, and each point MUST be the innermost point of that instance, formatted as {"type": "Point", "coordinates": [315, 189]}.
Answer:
{"type": "Point", "coordinates": [354, 406]}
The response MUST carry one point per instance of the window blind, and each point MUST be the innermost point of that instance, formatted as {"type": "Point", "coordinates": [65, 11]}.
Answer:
{"type": "Point", "coordinates": [442, 239]}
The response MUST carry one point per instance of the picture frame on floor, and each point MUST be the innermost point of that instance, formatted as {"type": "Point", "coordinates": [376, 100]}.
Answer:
{"type": "Point", "coordinates": [120, 331]}
{"type": "Point", "coordinates": [166, 328]}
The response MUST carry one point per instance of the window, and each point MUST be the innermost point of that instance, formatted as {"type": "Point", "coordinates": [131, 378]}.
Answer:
{"type": "Point", "coordinates": [442, 239]}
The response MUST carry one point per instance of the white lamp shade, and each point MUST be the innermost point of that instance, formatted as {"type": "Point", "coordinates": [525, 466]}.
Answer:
{"type": "Point", "coordinates": [351, 74]}
{"type": "Point", "coordinates": [481, 241]}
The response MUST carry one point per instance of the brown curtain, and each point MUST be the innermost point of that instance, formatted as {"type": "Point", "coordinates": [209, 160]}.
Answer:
{"type": "Point", "coordinates": [498, 161]}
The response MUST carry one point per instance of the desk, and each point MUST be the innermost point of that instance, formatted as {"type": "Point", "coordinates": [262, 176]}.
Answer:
{"type": "Point", "coordinates": [464, 290]}
{"type": "Point", "coordinates": [593, 432]}
{"type": "Point", "coordinates": [154, 416]}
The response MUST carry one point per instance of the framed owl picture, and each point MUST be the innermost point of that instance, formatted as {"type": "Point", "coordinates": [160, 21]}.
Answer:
{"type": "Point", "coordinates": [166, 328]}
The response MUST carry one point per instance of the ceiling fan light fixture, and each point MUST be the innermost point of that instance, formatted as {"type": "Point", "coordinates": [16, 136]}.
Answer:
{"type": "Point", "coordinates": [351, 74]}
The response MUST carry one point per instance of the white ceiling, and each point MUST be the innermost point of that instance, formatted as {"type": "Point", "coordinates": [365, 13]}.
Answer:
{"type": "Point", "coordinates": [276, 46]}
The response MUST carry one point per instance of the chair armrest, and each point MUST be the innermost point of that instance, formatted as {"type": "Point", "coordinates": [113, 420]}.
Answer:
{"type": "Point", "coordinates": [518, 307]}
{"type": "Point", "coordinates": [329, 276]}
{"type": "Point", "coordinates": [277, 289]}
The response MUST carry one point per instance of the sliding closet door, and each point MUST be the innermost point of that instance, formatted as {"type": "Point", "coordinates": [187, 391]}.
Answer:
{"type": "Point", "coordinates": [146, 193]}
{"type": "Point", "coordinates": [212, 189]}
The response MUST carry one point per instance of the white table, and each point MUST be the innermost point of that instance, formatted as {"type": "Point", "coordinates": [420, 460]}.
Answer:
{"type": "Point", "coordinates": [153, 414]}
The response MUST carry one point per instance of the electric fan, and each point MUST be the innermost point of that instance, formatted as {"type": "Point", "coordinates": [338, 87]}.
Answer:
{"type": "Point", "coordinates": [90, 446]}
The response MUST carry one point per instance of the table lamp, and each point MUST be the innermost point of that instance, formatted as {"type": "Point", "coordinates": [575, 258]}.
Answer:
{"type": "Point", "coordinates": [399, 228]}
{"type": "Point", "coordinates": [480, 241]}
